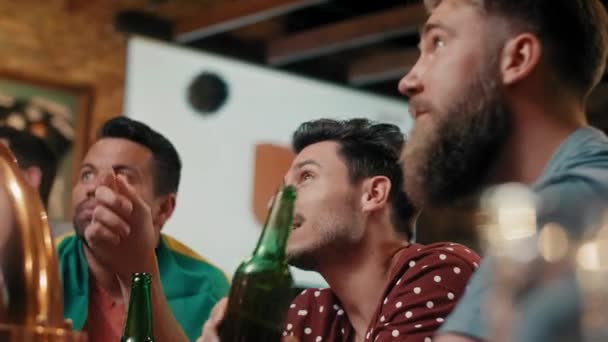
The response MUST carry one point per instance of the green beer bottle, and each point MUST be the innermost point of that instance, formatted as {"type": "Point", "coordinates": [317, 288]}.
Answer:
{"type": "Point", "coordinates": [138, 326]}
{"type": "Point", "coordinates": [259, 296]}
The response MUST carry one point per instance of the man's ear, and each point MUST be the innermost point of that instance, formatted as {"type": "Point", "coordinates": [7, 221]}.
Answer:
{"type": "Point", "coordinates": [166, 206]}
{"type": "Point", "coordinates": [376, 192]}
{"type": "Point", "coordinates": [33, 175]}
{"type": "Point", "coordinates": [520, 57]}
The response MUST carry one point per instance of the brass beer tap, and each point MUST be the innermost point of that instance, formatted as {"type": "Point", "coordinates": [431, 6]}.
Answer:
{"type": "Point", "coordinates": [31, 293]}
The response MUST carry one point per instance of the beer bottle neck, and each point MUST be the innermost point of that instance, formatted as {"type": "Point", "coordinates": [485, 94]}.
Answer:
{"type": "Point", "coordinates": [138, 326]}
{"type": "Point", "coordinates": [273, 241]}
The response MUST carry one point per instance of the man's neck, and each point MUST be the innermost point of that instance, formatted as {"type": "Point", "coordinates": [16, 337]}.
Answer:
{"type": "Point", "coordinates": [102, 276]}
{"type": "Point", "coordinates": [362, 269]}
{"type": "Point", "coordinates": [534, 139]}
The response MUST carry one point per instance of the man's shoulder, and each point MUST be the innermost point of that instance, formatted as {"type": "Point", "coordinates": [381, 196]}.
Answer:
{"type": "Point", "coordinates": [313, 297]}
{"type": "Point", "coordinates": [313, 310]}
{"type": "Point", "coordinates": [573, 189]}
{"type": "Point", "coordinates": [423, 290]}
{"type": "Point", "coordinates": [588, 139]}
{"type": "Point", "coordinates": [313, 302]}
{"type": "Point", "coordinates": [65, 242]}
{"type": "Point", "coordinates": [585, 149]}
{"type": "Point", "coordinates": [439, 253]}
{"type": "Point", "coordinates": [191, 260]}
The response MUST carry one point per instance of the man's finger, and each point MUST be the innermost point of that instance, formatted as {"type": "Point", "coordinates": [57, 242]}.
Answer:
{"type": "Point", "coordinates": [109, 220]}
{"type": "Point", "coordinates": [108, 179]}
{"type": "Point", "coordinates": [219, 310]}
{"type": "Point", "coordinates": [114, 201]}
{"type": "Point", "coordinates": [210, 328]}
{"type": "Point", "coordinates": [127, 190]}
{"type": "Point", "coordinates": [209, 332]}
{"type": "Point", "coordinates": [96, 234]}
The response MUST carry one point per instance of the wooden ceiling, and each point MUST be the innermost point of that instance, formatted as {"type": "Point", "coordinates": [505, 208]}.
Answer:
{"type": "Point", "coordinates": [367, 45]}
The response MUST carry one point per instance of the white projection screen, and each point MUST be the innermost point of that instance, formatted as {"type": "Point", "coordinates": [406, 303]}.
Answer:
{"type": "Point", "coordinates": [233, 155]}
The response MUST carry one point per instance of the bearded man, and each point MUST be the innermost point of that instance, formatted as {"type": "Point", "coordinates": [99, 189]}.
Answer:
{"type": "Point", "coordinates": [498, 95]}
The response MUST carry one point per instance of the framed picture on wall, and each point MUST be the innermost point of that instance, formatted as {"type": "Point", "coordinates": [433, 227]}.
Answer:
{"type": "Point", "coordinates": [58, 113]}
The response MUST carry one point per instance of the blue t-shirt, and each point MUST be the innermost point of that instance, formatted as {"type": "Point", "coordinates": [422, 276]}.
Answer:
{"type": "Point", "coordinates": [572, 191]}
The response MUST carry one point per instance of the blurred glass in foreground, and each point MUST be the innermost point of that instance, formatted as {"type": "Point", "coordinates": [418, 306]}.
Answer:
{"type": "Point", "coordinates": [592, 277]}
{"type": "Point", "coordinates": [508, 234]}
{"type": "Point", "coordinates": [546, 286]}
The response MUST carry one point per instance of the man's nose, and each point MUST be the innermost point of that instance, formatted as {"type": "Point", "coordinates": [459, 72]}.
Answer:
{"type": "Point", "coordinates": [105, 177]}
{"type": "Point", "coordinates": [410, 84]}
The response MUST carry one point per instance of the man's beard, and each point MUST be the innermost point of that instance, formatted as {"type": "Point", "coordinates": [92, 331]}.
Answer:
{"type": "Point", "coordinates": [79, 228]}
{"type": "Point", "coordinates": [337, 240]}
{"type": "Point", "coordinates": [79, 222]}
{"type": "Point", "coordinates": [451, 159]}
{"type": "Point", "coordinates": [304, 260]}
{"type": "Point", "coordinates": [338, 231]}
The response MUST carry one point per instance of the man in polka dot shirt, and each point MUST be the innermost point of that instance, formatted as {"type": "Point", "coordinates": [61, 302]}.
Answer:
{"type": "Point", "coordinates": [421, 290]}
{"type": "Point", "coordinates": [351, 225]}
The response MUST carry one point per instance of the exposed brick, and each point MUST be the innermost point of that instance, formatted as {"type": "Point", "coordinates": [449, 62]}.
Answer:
{"type": "Point", "coordinates": [76, 44]}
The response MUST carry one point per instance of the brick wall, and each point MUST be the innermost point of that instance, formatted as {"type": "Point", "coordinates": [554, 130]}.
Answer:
{"type": "Point", "coordinates": [66, 41]}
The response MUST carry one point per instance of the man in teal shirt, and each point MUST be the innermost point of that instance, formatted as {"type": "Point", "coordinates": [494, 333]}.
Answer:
{"type": "Point", "coordinates": [125, 192]}
{"type": "Point", "coordinates": [498, 94]}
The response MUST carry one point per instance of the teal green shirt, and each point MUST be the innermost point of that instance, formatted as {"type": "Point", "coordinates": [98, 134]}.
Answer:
{"type": "Point", "coordinates": [192, 285]}
{"type": "Point", "coordinates": [573, 192]}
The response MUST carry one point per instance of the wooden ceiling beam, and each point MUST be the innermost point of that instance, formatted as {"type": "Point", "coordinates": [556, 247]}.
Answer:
{"type": "Point", "coordinates": [348, 34]}
{"type": "Point", "coordinates": [380, 67]}
{"type": "Point", "coordinates": [234, 14]}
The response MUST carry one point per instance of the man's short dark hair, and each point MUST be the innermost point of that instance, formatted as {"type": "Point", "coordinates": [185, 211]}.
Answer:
{"type": "Point", "coordinates": [574, 33]}
{"type": "Point", "coordinates": [167, 164]}
{"type": "Point", "coordinates": [31, 150]}
{"type": "Point", "coordinates": [369, 149]}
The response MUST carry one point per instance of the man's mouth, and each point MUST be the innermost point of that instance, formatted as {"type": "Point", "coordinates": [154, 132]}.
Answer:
{"type": "Point", "coordinates": [418, 108]}
{"type": "Point", "coordinates": [418, 114]}
{"type": "Point", "coordinates": [87, 213]}
{"type": "Point", "coordinates": [84, 213]}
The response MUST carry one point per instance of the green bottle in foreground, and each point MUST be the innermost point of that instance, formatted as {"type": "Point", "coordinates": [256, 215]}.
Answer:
{"type": "Point", "coordinates": [138, 325]}
{"type": "Point", "coordinates": [260, 293]}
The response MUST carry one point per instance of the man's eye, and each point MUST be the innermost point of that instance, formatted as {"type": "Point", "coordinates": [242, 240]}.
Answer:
{"type": "Point", "coordinates": [306, 176]}
{"type": "Point", "coordinates": [438, 43]}
{"type": "Point", "coordinates": [86, 176]}
{"type": "Point", "coordinates": [127, 175]}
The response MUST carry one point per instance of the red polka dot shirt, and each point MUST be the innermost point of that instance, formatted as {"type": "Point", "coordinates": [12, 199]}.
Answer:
{"type": "Point", "coordinates": [422, 291]}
